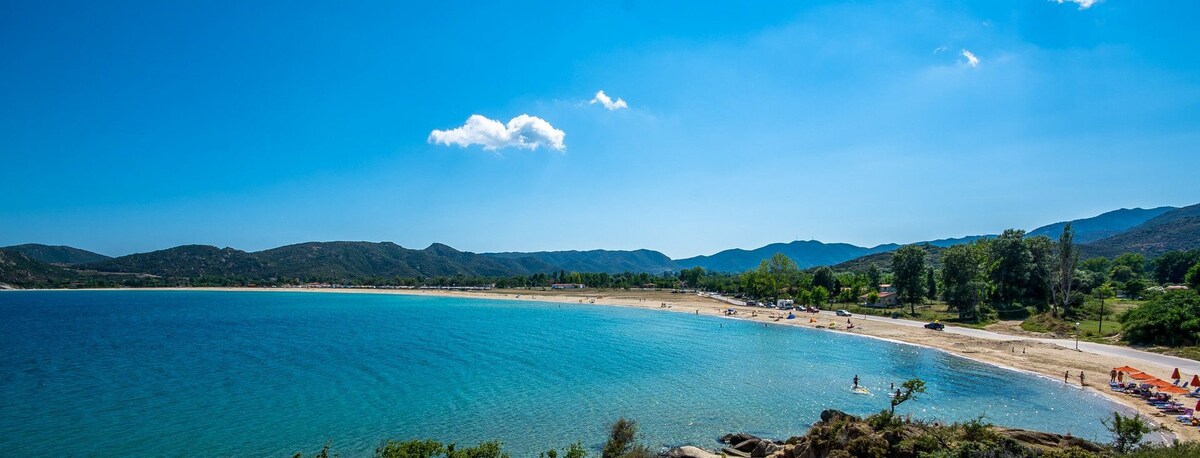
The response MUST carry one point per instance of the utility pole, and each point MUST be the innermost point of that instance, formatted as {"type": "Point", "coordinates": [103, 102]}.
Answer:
{"type": "Point", "coordinates": [1101, 294]}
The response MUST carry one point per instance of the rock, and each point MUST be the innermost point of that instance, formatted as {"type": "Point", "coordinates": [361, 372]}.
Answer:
{"type": "Point", "coordinates": [736, 438]}
{"type": "Point", "coordinates": [690, 452]}
{"type": "Point", "coordinates": [763, 449]}
{"type": "Point", "coordinates": [828, 415]}
{"type": "Point", "coordinates": [748, 445]}
{"type": "Point", "coordinates": [1047, 441]}
{"type": "Point", "coordinates": [734, 452]}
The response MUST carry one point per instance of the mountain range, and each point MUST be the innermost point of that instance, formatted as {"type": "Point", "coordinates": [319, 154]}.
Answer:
{"type": "Point", "coordinates": [1147, 231]}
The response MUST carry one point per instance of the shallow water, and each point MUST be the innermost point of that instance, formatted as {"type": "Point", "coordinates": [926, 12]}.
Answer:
{"type": "Point", "coordinates": [268, 374]}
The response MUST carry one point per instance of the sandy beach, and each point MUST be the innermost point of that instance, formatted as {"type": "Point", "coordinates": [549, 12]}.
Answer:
{"type": "Point", "coordinates": [1022, 353]}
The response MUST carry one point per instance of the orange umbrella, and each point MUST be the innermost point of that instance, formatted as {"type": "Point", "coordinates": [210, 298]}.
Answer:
{"type": "Point", "coordinates": [1125, 369]}
{"type": "Point", "coordinates": [1175, 374]}
{"type": "Point", "coordinates": [1195, 380]}
{"type": "Point", "coordinates": [1141, 376]}
{"type": "Point", "coordinates": [1161, 384]}
{"type": "Point", "coordinates": [1173, 390]}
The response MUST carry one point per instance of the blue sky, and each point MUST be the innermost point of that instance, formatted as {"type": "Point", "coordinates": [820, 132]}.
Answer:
{"type": "Point", "coordinates": [134, 126]}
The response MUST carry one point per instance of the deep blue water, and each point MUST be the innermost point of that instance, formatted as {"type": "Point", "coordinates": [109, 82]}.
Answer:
{"type": "Point", "coordinates": [267, 374]}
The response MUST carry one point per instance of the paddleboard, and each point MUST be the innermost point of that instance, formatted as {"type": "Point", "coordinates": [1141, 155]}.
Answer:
{"type": "Point", "coordinates": [860, 390]}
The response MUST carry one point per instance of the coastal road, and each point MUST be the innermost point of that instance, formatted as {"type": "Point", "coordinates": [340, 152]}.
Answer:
{"type": "Point", "coordinates": [1185, 365]}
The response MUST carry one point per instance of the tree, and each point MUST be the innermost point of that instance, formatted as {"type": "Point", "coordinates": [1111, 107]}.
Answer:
{"type": "Point", "coordinates": [907, 391]}
{"type": "Point", "coordinates": [930, 285]}
{"type": "Point", "coordinates": [824, 277]}
{"type": "Point", "coordinates": [1172, 319]}
{"type": "Point", "coordinates": [962, 276]}
{"type": "Point", "coordinates": [1134, 288]}
{"type": "Point", "coordinates": [1192, 278]}
{"type": "Point", "coordinates": [1127, 431]}
{"type": "Point", "coordinates": [621, 441]}
{"type": "Point", "coordinates": [1098, 265]}
{"type": "Point", "coordinates": [1172, 266]}
{"type": "Point", "coordinates": [873, 277]}
{"type": "Point", "coordinates": [691, 277]}
{"type": "Point", "coordinates": [1009, 263]}
{"type": "Point", "coordinates": [1067, 257]}
{"type": "Point", "coordinates": [1135, 262]}
{"type": "Point", "coordinates": [908, 267]}
{"type": "Point", "coordinates": [1039, 290]}
{"type": "Point", "coordinates": [819, 295]}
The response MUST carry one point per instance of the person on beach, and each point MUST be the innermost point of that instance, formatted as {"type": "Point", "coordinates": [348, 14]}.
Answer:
{"type": "Point", "coordinates": [1112, 375]}
{"type": "Point", "coordinates": [1080, 378]}
{"type": "Point", "coordinates": [1120, 376]}
{"type": "Point", "coordinates": [856, 380]}
{"type": "Point", "coordinates": [1066, 376]}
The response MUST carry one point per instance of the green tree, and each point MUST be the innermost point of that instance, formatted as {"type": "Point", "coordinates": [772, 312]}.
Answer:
{"type": "Point", "coordinates": [1009, 261]}
{"type": "Point", "coordinates": [824, 277]}
{"type": "Point", "coordinates": [819, 295]}
{"type": "Point", "coordinates": [1172, 266]}
{"type": "Point", "coordinates": [962, 277]}
{"type": "Point", "coordinates": [931, 288]}
{"type": "Point", "coordinates": [621, 441]}
{"type": "Point", "coordinates": [1192, 278]}
{"type": "Point", "coordinates": [1172, 319]}
{"type": "Point", "coordinates": [691, 277]}
{"type": "Point", "coordinates": [1127, 432]}
{"type": "Point", "coordinates": [907, 391]}
{"type": "Point", "coordinates": [1067, 257]}
{"type": "Point", "coordinates": [1134, 288]}
{"type": "Point", "coordinates": [1134, 261]}
{"type": "Point", "coordinates": [908, 267]}
{"type": "Point", "coordinates": [1098, 265]}
{"type": "Point", "coordinates": [873, 277]}
{"type": "Point", "coordinates": [1039, 289]}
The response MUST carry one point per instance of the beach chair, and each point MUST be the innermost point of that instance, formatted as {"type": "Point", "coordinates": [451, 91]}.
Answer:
{"type": "Point", "coordinates": [1195, 393]}
{"type": "Point", "coordinates": [1186, 417]}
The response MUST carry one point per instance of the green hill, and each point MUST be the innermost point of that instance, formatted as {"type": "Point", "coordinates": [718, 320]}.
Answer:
{"type": "Point", "coordinates": [186, 261]}
{"type": "Point", "coordinates": [610, 261]}
{"type": "Point", "coordinates": [1102, 226]}
{"type": "Point", "coordinates": [386, 259]}
{"type": "Point", "coordinates": [319, 260]}
{"type": "Point", "coordinates": [808, 253]}
{"type": "Point", "coordinates": [22, 271]}
{"type": "Point", "coordinates": [883, 261]}
{"type": "Point", "coordinates": [59, 254]}
{"type": "Point", "coordinates": [1178, 229]}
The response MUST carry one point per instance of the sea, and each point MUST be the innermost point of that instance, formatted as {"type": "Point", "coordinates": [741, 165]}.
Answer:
{"type": "Point", "coordinates": [184, 373]}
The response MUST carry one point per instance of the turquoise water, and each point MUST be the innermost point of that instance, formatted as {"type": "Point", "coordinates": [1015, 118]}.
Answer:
{"type": "Point", "coordinates": [267, 374]}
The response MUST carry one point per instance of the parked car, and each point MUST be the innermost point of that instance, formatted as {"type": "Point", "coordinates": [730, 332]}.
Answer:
{"type": "Point", "coordinates": [935, 326]}
{"type": "Point", "coordinates": [844, 313]}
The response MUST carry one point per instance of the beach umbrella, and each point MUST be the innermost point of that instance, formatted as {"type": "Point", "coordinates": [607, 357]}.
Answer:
{"type": "Point", "coordinates": [1172, 389]}
{"type": "Point", "coordinates": [1196, 380]}
{"type": "Point", "coordinates": [1160, 384]}
{"type": "Point", "coordinates": [1141, 376]}
{"type": "Point", "coordinates": [1175, 374]}
{"type": "Point", "coordinates": [1125, 369]}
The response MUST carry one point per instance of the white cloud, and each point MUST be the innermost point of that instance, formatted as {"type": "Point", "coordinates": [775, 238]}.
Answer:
{"type": "Point", "coordinates": [1083, 4]}
{"type": "Point", "coordinates": [971, 59]}
{"type": "Point", "coordinates": [529, 132]}
{"type": "Point", "coordinates": [608, 102]}
{"type": "Point", "coordinates": [939, 49]}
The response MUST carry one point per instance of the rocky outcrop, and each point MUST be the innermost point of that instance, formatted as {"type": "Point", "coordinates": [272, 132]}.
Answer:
{"type": "Point", "coordinates": [841, 435]}
{"type": "Point", "coordinates": [690, 452]}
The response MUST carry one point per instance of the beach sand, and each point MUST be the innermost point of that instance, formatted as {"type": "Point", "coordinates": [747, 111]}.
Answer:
{"type": "Point", "coordinates": [1036, 357]}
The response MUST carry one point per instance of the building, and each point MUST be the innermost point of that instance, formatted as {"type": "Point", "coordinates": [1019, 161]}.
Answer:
{"type": "Point", "coordinates": [568, 286]}
{"type": "Point", "coordinates": [887, 299]}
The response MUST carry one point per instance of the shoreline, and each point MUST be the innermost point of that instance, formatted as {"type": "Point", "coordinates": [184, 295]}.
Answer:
{"type": "Point", "coordinates": [1036, 357]}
